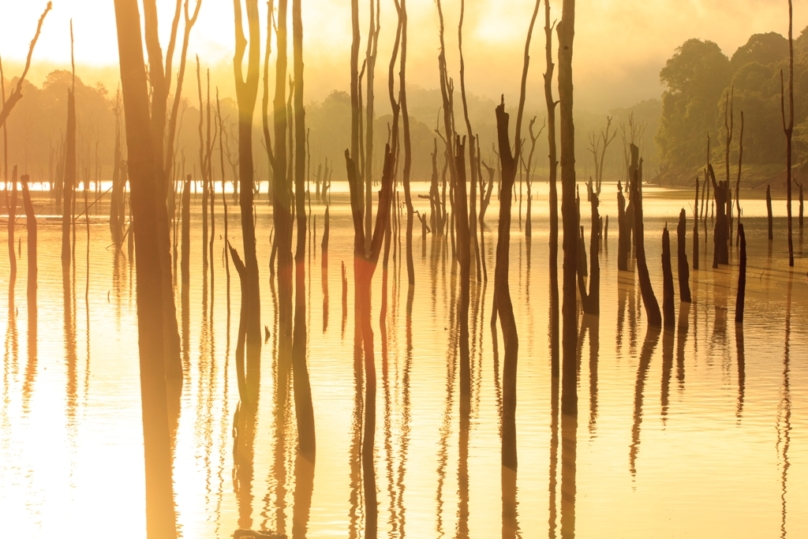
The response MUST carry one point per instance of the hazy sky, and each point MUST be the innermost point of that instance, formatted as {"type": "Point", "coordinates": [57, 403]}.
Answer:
{"type": "Point", "coordinates": [620, 45]}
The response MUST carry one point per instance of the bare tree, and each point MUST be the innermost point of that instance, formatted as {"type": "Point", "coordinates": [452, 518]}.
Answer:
{"type": "Point", "coordinates": [147, 204]}
{"type": "Point", "coordinates": [16, 94]}
{"type": "Point", "coordinates": [597, 147]}
{"type": "Point", "coordinates": [788, 125]}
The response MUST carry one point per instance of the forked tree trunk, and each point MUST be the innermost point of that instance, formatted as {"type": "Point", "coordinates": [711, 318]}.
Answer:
{"type": "Point", "coordinates": [721, 232]}
{"type": "Point", "coordinates": [591, 300]}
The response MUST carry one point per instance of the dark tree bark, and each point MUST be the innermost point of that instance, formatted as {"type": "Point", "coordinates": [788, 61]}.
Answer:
{"type": "Point", "coordinates": [146, 203]}
{"type": "Point", "coordinates": [623, 233]}
{"type": "Point", "coordinates": [802, 204]}
{"type": "Point", "coordinates": [769, 212]}
{"type": "Point", "coordinates": [696, 229]}
{"type": "Point", "coordinates": [304, 409]}
{"type": "Point", "coordinates": [738, 180]}
{"type": "Point", "coordinates": [721, 232]}
{"type": "Point", "coordinates": [185, 266]}
{"type": "Point", "coordinates": [646, 289]}
{"type": "Point", "coordinates": [591, 300]}
{"type": "Point", "coordinates": [788, 126]}
{"type": "Point", "coordinates": [405, 118]}
{"type": "Point", "coordinates": [566, 34]}
{"type": "Point", "coordinates": [739, 302]}
{"type": "Point", "coordinates": [667, 282]}
{"type": "Point", "coordinates": [246, 93]}
{"type": "Point", "coordinates": [684, 269]}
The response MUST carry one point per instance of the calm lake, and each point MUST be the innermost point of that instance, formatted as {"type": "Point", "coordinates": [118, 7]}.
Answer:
{"type": "Point", "coordinates": [701, 432]}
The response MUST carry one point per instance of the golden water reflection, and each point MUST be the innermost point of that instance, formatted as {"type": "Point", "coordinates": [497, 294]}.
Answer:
{"type": "Point", "coordinates": [703, 400]}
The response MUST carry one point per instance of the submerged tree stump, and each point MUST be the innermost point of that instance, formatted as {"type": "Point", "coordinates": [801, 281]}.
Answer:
{"type": "Point", "coordinates": [769, 211]}
{"type": "Point", "coordinates": [623, 232]}
{"type": "Point", "coordinates": [696, 229]}
{"type": "Point", "coordinates": [667, 282]}
{"type": "Point", "coordinates": [648, 298]}
{"type": "Point", "coordinates": [684, 269]}
{"type": "Point", "coordinates": [739, 301]}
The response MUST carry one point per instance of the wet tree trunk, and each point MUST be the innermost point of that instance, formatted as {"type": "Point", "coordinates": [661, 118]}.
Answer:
{"type": "Point", "coordinates": [648, 298]}
{"type": "Point", "coordinates": [464, 260]}
{"type": "Point", "coordinates": [739, 302]}
{"type": "Point", "coordinates": [146, 200]}
{"type": "Point", "coordinates": [405, 117]}
{"type": "Point", "coordinates": [738, 180]}
{"type": "Point", "coordinates": [667, 282]}
{"type": "Point", "coordinates": [684, 269]}
{"type": "Point", "coordinates": [769, 212]}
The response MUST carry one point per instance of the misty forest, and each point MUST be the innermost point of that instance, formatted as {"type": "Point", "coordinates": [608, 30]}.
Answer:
{"type": "Point", "coordinates": [282, 295]}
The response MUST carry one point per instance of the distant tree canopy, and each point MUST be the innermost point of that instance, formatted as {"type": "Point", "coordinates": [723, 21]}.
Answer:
{"type": "Point", "coordinates": [697, 79]}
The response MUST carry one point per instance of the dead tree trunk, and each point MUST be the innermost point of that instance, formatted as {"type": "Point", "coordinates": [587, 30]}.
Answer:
{"type": "Point", "coordinates": [591, 300]}
{"type": "Point", "coordinates": [70, 167]}
{"type": "Point", "coordinates": [246, 93]}
{"type": "Point", "coordinates": [738, 180]}
{"type": "Point", "coordinates": [788, 126]}
{"type": "Point", "coordinates": [801, 205]}
{"type": "Point", "coordinates": [696, 229]}
{"type": "Point", "coordinates": [405, 117]}
{"type": "Point", "coordinates": [739, 301]}
{"type": "Point", "coordinates": [304, 409]}
{"type": "Point", "coordinates": [684, 269]}
{"type": "Point", "coordinates": [550, 103]}
{"type": "Point", "coordinates": [667, 282]}
{"type": "Point", "coordinates": [566, 34]}
{"type": "Point", "coordinates": [769, 211]}
{"type": "Point", "coordinates": [623, 234]}
{"type": "Point", "coordinates": [721, 232]}
{"type": "Point", "coordinates": [185, 266]}
{"type": "Point", "coordinates": [12, 222]}
{"type": "Point", "coordinates": [16, 94]}
{"type": "Point", "coordinates": [146, 201]}
{"type": "Point", "coordinates": [646, 289]}
{"type": "Point", "coordinates": [30, 224]}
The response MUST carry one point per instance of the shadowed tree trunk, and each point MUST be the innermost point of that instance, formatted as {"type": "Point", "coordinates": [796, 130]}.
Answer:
{"type": "Point", "coordinates": [769, 211]}
{"type": "Point", "coordinates": [646, 289]}
{"type": "Point", "coordinates": [246, 93]}
{"type": "Point", "coordinates": [30, 224]}
{"type": "Point", "coordinates": [739, 302]}
{"type": "Point", "coordinates": [721, 232]}
{"type": "Point", "coordinates": [68, 190]}
{"type": "Point", "coordinates": [696, 229]}
{"type": "Point", "coordinates": [12, 222]}
{"type": "Point", "coordinates": [801, 205]}
{"type": "Point", "coordinates": [738, 180]}
{"type": "Point", "coordinates": [667, 282]}
{"type": "Point", "coordinates": [623, 232]}
{"type": "Point", "coordinates": [146, 205]}
{"type": "Point", "coordinates": [405, 118]}
{"type": "Point", "coordinates": [684, 269]}
{"type": "Point", "coordinates": [303, 405]}
{"type": "Point", "coordinates": [364, 268]}
{"type": "Point", "coordinates": [591, 300]}
{"type": "Point", "coordinates": [788, 125]}
{"type": "Point", "coordinates": [566, 34]}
